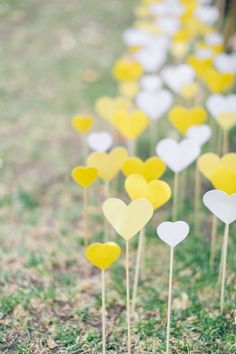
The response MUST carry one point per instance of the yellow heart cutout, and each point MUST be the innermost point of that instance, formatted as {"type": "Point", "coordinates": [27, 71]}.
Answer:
{"type": "Point", "coordinates": [157, 192]}
{"type": "Point", "coordinates": [127, 220]}
{"type": "Point", "coordinates": [152, 168]}
{"type": "Point", "coordinates": [208, 163]}
{"type": "Point", "coordinates": [82, 123]}
{"type": "Point", "coordinates": [106, 106]}
{"type": "Point", "coordinates": [226, 120]}
{"type": "Point", "coordinates": [199, 65]}
{"type": "Point", "coordinates": [103, 255]}
{"type": "Point", "coordinates": [224, 179]}
{"type": "Point", "coordinates": [182, 118]}
{"type": "Point", "coordinates": [190, 91]}
{"type": "Point", "coordinates": [129, 89]}
{"type": "Point", "coordinates": [84, 176]}
{"type": "Point", "coordinates": [108, 164]}
{"type": "Point", "coordinates": [130, 125]}
{"type": "Point", "coordinates": [217, 81]}
{"type": "Point", "coordinates": [127, 70]}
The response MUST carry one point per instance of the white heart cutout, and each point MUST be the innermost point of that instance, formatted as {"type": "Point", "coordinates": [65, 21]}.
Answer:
{"type": "Point", "coordinates": [100, 141]}
{"type": "Point", "coordinates": [199, 133]}
{"type": "Point", "coordinates": [172, 233]}
{"type": "Point", "coordinates": [151, 83]}
{"type": "Point", "coordinates": [154, 104]}
{"type": "Point", "coordinates": [177, 76]}
{"type": "Point", "coordinates": [221, 204]}
{"type": "Point", "coordinates": [207, 14]}
{"type": "Point", "coordinates": [219, 104]}
{"type": "Point", "coordinates": [178, 155]}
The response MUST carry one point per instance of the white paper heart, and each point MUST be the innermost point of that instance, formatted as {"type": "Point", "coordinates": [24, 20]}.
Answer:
{"type": "Point", "coordinates": [178, 155]}
{"type": "Point", "coordinates": [207, 14]}
{"type": "Point", "coordinates": [169, 8]}
{"type": "Point", "coordinates": [136, 37]}
{"type": "Point", "coordinates": [154, 104]}
{"type": "Point", "coordinates": [226, 63]}
{"type": "Point", "coordinates": [219, 104]}
{"type": "Point", "coordinates": [177, 76]}
{"type": "Point", "coordinates": [173, 233]}
{"type": "Point", "coordinates": [199, 133]}
{"type": "Point", "coordinates": [214, 38]}
{"type": "Point", "coordinates": [204, 53]}
{"type": "Point", "coordinates": [151, 82]}
{"type": "Point", "coordinates": [150, 59]}
{"type": "Point", "coordinates": [221, 204]}
{"type": "Point", "coordinates": [168, 25]}
{"type": "Point", "coordinates": [100, 141]}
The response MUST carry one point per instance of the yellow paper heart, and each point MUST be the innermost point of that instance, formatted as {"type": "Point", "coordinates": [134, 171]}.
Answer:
{"type": "Point", "coordinates": [130, 125]}
{"type": "Point", "coordinates": [82, 123]}
{"type": "Point", "coordinates": [103, 255]}
{"type": "Point", "coordinates": [217, 81]}
{"type": "Point", "coordinates": [129, 89]}
{"type": "Point", "coordinates": [190, 91]}
{"type": "Point", "coordinates": [208, 163]}
{"type": "Point", "coordinates": [182, 118]}
{"type": "Point", "coordinates": [108, 164]}
{"type": "Point", "coordinates": [152, 168]}
{"type": "Point", "coordinates": [199, 65]}
{"type": "Point", "coordinates": [127, 220]}
{"type": "Point", "coordinates": [157, 192]}
{"type": "Point", "coordinates": [224, 179]}
{"type": "Point", "coordinates": [106, 106]}
{"type": "Point", "coordinates": [84, 176]}
{"type": "Point", "coordinates": [127, 70]}
{"type": "Point", "coordinates": [226, 120]}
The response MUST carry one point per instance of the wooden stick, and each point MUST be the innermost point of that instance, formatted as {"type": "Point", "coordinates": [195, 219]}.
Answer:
{"type": "Point", "coordinates": [127, 298]}
{"type": "Point", "coordinates": [137, 270]}
{"type": "Point", "coordinates": [175, 196]}
{"type": "Point", "coordinates": [213, 240]}
{"type": "Point", "coordinates": [224, 262]}
{"type": "Point", "coordinates": [225, 147]}
{"type": "Point", "coordinates": [169, 300]}
{"type": "Point", "coordinates": [106, 224]}
{"type": "Point", "coordinates": [103, 314]}
{"type": "Point", "coordinates": [219, 141]}
{"type": "Point", "coordinates": [131, 147]}
{"type": "Point", "coordinates": [85, 192]}
{"type": "Point", "coordinates": [197, 191]}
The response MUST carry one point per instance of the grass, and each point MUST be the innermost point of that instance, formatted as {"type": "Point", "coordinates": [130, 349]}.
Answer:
{"type": "Point", "coordinates": [55, 61]}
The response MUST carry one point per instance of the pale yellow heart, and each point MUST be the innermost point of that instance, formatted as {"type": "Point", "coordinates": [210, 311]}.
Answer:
{"type": "Point", "coordinates": [130, 125]}
{"type": "Point", "coordinates": [127, 220]}
{"type": "Point", "coordinates": [157, 192]}
{"type": "Point", "coordinates": [224, 179]}
{"type": "Point", "coordinates": [208, 163]}
{"type": "Point", "coordinates": [182, 118]}
{"type": "Point", "coordinates": [84, 176]}
{"type": "Point", "coordinates": [106, 106]}
{"type": "Point", "coordinates": [226, 120]}
{"type": "Point", "coordinates": [152, 168]}
{"type": "Point", "coordinates": [108, 164]}
{"type": "Point", "coordinates": [103, 255]}
{"type": "Point", "coordinates": [82, 123]}
{"type": "Point", "coordinates": [129, 89]}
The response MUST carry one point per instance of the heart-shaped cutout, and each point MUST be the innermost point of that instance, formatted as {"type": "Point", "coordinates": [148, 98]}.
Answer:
{"type": "Point", "coordinates": [82, 123]}
{"type": "Point", "coordinates": [100, 142]}
{"type": "Point", "coordinates": [177, 76]}
{"type": "Point", "coordinates": [108, 164]}
{"type": "Point", "coordinates": [199, 133]}
{"type": "Point", "coordinates": [183, 118]}
{"type": "Point", "coordinates": [130, 125]}
{"type": "Point", "coordinates": [224, 178]}
{"type": "Point", "coordinates": [84, 176]}
{"type": "Point", "coordinates": [218, 82]}
{"type": "Point", "coordinates": [127, 70]}
{"type": "Point", "coordinates": [178, 155]}
{"type": "Point", "coordinates": [154, 104]}
{"type": "Point", "coordinates": [152, 168]}
{"type": "Point", "coordinates": [208, 163]}
{"type": "Point", "coordinates": [103, 255]}
{"type": "Point", "coordinates": [157, 192]}
{"type": "Point", "coordinates": [107, 106]}
{"type": "Point", "coordinates": [221, 204]}
{"type": "Point", "coordinates": [172, 233]}
{"type": "Point", "coordinates": [127, 220]}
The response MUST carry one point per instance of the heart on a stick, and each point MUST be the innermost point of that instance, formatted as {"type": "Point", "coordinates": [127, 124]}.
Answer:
{"type": "Point", "coordinates": [100, 141]}
{"type": "Point", "coordinates": [221, 204]}
{"type": "Point", "coordinates": [172, 233]}
{"type": "Point", "coordinates": [127, 220]}
{"type": "Point", "coordinates": [103, 255]}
